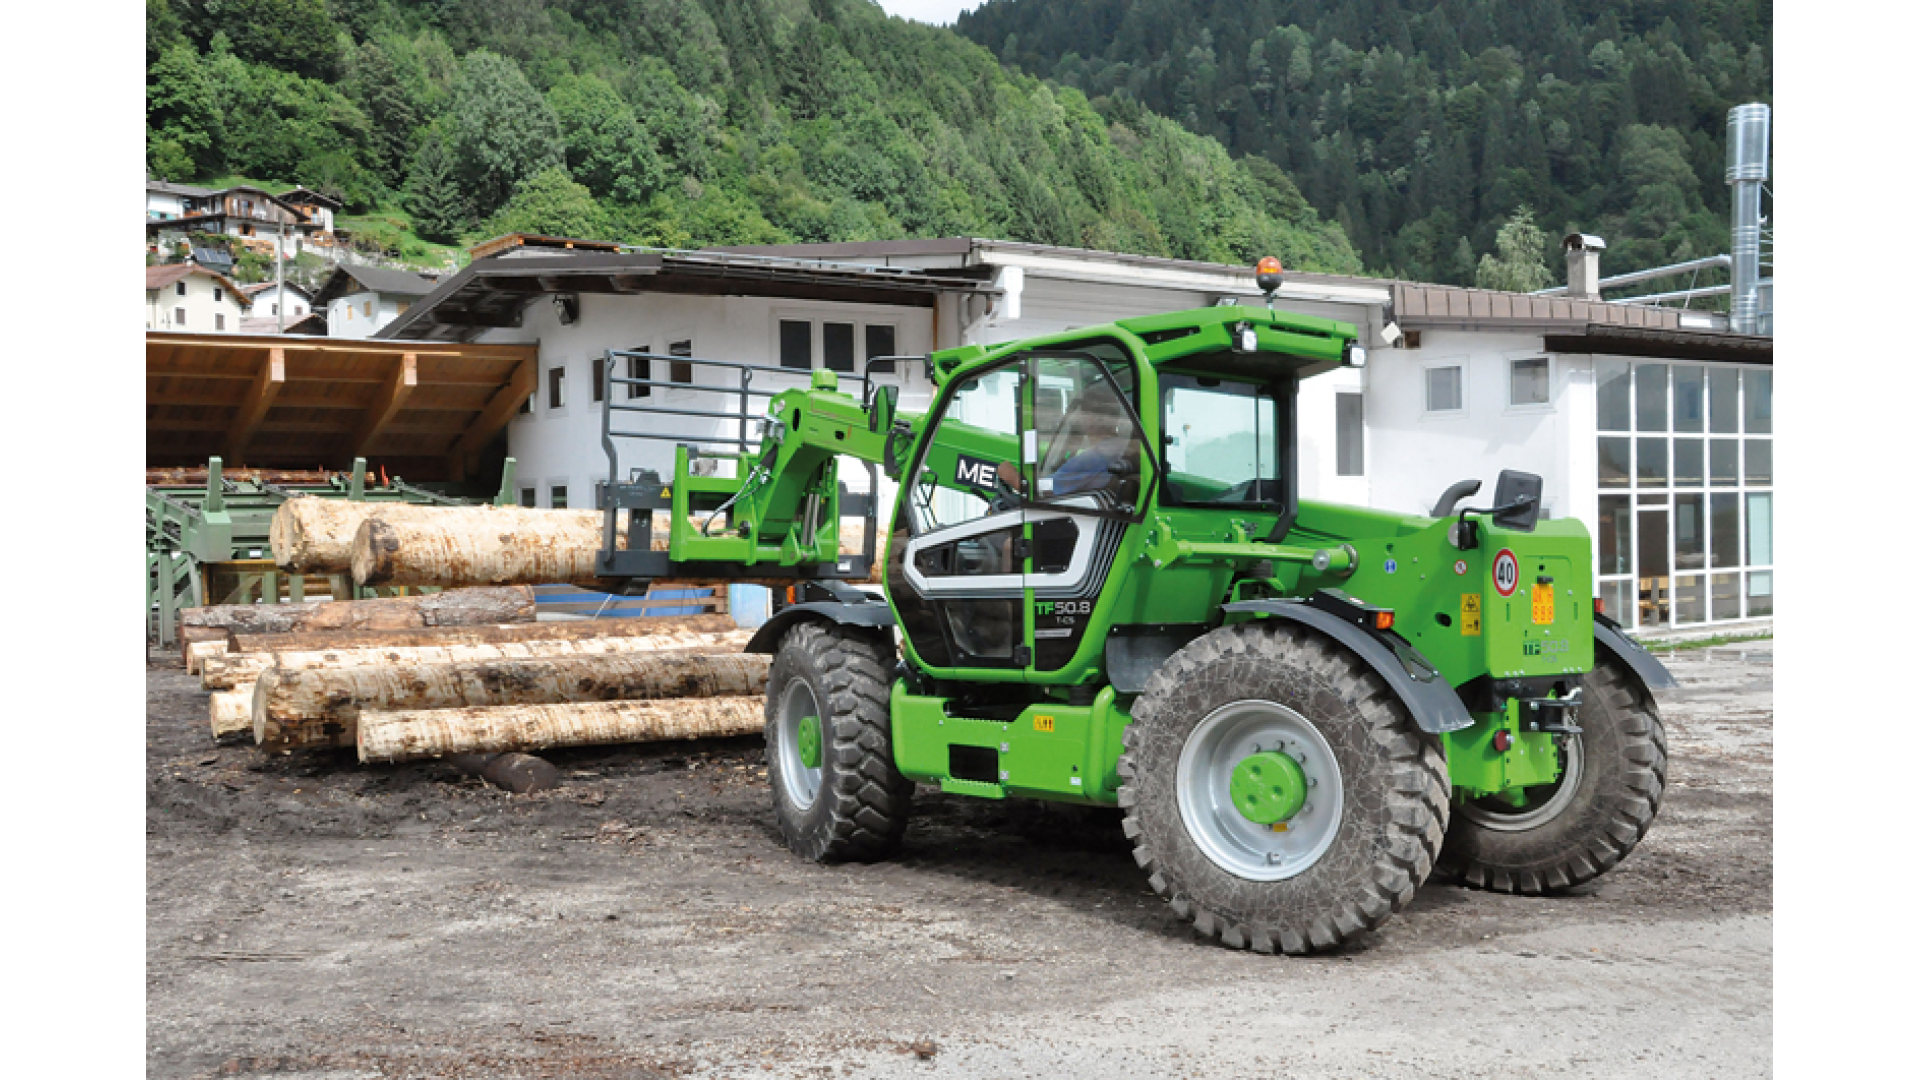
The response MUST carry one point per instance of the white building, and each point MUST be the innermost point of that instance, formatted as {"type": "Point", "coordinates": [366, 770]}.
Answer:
{"type": "Point", "coordinates": [184, 296]}
{"type": "Point", "coordinates": [273, 301]}
{"type": "Point", "coordinates": [360, 300]}
{"type": "Point", "coordinates": [1651, 425]}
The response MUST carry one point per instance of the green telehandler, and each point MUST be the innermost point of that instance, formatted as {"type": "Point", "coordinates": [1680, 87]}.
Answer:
{"type": "Point", "coordinates": [1101, 588]}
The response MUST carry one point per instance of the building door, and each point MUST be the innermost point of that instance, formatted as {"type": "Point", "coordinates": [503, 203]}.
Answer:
{"type": "Point", "coordinates": [1654, 572]}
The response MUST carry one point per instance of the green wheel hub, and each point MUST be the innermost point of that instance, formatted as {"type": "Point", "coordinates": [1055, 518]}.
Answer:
{"type": "Point", "coordinates": [1268, 788]}
{"type": "Point", "coordinates": [808, 738]}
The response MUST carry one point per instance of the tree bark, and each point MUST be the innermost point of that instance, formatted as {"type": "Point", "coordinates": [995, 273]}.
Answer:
{"type": "Point", "coordinates": [191, 634]}
{"type": "Point", "coordinates": [226, 672]}
{"type": "Point", "coordinates": [313, 535]}
{"type": "Point", "coordinates": [404, 735]}
{"type": "Point", "coordinates": [462, 607]}
{"type": "Point", "coordinates": [311, 706]}
{"type": "Point", "coordinates": [231, 711]}
{"type": "Point", "coordinates": [573, 630]}
{"type": "Point", "coordinates": [479, 545]}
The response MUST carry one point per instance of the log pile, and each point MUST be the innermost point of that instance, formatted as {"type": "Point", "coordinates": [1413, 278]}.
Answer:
{"type": "Point", "coordinates": [486, 689]}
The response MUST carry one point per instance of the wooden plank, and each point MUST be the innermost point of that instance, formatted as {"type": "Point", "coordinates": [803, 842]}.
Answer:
{"type": "Point", "coordinates": [266, 386]}
{"type": "Point", "coordinates": [393, 397]}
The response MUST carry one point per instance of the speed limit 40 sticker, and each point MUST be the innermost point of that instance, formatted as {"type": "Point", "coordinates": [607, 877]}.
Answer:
{"type": "Point", "coordinates": [1506, 572]}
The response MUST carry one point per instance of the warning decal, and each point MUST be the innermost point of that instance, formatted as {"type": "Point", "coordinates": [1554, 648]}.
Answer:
{"type": "Point", "coordinates": [1470, 614]}
{"type": "Point", "coordinates": [1506, 572]}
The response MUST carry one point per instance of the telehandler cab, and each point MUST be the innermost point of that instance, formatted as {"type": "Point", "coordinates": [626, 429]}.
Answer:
{"type": "Point", "coordinates": [1101, 587]}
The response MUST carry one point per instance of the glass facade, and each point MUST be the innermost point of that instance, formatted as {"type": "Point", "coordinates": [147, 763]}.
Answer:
{"type": "Point", "coordinates": [1685, 529]}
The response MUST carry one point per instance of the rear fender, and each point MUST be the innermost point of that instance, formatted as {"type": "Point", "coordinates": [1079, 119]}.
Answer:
{"type": "Point", "coordinates": [1416, 682]}
{"type": "Point", "coordinates": [1652, 673]}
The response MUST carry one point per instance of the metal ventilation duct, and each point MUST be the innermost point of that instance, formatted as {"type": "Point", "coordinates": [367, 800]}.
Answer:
{"type": "Point", "coordinates": [1748, 128]}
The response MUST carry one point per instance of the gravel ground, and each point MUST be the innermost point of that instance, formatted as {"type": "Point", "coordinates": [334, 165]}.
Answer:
{"type": "Point", "coordinates": [311, 917]}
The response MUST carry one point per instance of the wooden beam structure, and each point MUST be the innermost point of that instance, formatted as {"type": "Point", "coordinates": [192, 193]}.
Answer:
{"type": "Point", "coordinates": [501, 409]}
{"type": "Point", "coordinates": [266, 386]}
{"type": "Point", "coordinates": [393, 396]}
{"type": "Point", "coordinates": [288, 402]}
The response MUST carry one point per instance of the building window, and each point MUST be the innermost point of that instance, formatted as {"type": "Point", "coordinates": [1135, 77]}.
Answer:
{"type": "Point", "coordinates": [298, 310]}
{"type": "Point", "coordinates": [880, 341]}
{"type": "Point", "coordinates": [529, 497]}
{"type": "Point", "coordinates": [1685, 535]}
{"type": "Point", "coordinates": [401, 307]}
{"type": "Point", "coordinates": [180, 288]}
{"type": "Point", "coordinates": [218, 294]}
{"type": "Point", "coordinates": [836, 346]}
{"type": "Point", "coordinates": [556, 388]}
{"type": "Point", "coordinates": [1527, 382]}
{"type": "Point", "coordinates": [366, 308]}
{"type": "Point", "coordinates": [219, 321]}
{"type": "Point", "coordinates": [557, 496]}
{"type": "Point", "coordinates": [1444, 389]}
{"type": "Point", "coordinates": [1348, 436]}
{"type": "Point", "coordinates": [276, 309]}
{"type": "Point", "coordinates": [349, 312]}
{"type": "Point", "coordinates": [179, 316]}
{"type": "Point", "coordinates": [681, 371]}
{"type": "Point", "coordinates": [796, 344]}
{"type": "Point", "coordinates": [599, 379]}
{"type": "Point", "coordinates": [641, 368]}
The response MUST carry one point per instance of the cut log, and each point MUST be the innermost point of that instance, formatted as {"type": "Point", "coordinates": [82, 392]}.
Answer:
{"type": "Point", "coordinates": [231, 711]}
{"type": "Point", "coordinates": [191, 634]}
{"type": "Point", "coordinates": [320, 706]}
{"type": "Point", "coordinates": [312, 535]}
{"type": "Point", "coordinates": [198, 651]}
{"type": "Point", "coordinates": [576, 630]}
{"type": "Point", "coordinates": [518, 773]}
{"type": "Point", "coordinates": [196, 476]}
{"type": "Point", "coordinates": [227, 671]}
{"type": "Point", "coordinates": [462, 607]}
{"type": "Point", "coordinates": [478, 545]}
{"type": "Point", "coordinates": [404, 735]}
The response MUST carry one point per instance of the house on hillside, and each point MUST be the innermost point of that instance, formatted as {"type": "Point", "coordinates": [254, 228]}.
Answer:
{"type": "Point", "coordinates": [185, 296]}
{"type": "Point", "coordinates": [1650, 424]}
{"type": "Point", "coordinates": [272, 300]}
{"type": "Point", "coordinates": [168, 202]}
{"type": "Point", "coordinates": [360, 300]}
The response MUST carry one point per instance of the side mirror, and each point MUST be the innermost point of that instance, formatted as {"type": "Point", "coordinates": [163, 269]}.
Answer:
{"type": "Point", "coordinates": [885, 400]}
{"type": "Point", "coordinates": [1516, 500]}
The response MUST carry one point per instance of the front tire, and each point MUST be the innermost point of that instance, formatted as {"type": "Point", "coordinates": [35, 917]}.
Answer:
{"type": "Point", "coordinates": [1613, 776]}
{"type": "Point", "coordinates": [1337, 869]}
{"type": "Point", "coordinates": [836, 794]}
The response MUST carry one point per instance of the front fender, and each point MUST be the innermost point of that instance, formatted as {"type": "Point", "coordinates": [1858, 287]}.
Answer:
{"type": "Point", "coordinates": [1416, 682]}
{"type": "Point", "coordinates": [767, 639]}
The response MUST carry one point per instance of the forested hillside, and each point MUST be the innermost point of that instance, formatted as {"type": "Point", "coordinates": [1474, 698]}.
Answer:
{"type": "Point", "coordinates": [1423, 127]}
{"type": "Point", "coordinates": [691, 122]}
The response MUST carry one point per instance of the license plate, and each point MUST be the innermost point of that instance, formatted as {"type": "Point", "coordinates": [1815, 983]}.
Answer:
{"type": "Point", "coordinates": [1543, 605]}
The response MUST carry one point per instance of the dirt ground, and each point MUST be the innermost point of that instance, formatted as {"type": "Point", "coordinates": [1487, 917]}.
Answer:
{"type": "Point", "coordinates": [309, 917]}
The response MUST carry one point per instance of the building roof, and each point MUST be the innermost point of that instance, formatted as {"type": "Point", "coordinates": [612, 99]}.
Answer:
{"type": "Point", "coordinates": [425, 411]}
{"type": "Point", "coordinates": [514, 242]}
{"type": "Point", "coordinates": [347, 280]}
{"type": "Point", "coordinates": [308, 195]}
{"type": "Point", "coordinates": [1661, 344]}
{"type": "Point", "coordinates": [1419, 307]}
{"type": "Point", "coordinates": [259, 287]}
{"type": "Point", "coordinates": [159, 277]}
{"type": "Point", "coordinates": [187, 191]}
{"type": "Point", "coordinates": [491, 292]}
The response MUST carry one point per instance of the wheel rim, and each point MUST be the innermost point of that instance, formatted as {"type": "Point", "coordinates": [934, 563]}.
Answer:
{"type": "Point", "coordinates": [797, 705]}
{"type": "Point", "coordinates": [1204, 778]}
{"type": "Point", "coordinates": [1492, 813]}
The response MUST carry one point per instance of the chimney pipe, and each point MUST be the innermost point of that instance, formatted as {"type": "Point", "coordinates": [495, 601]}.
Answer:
{"type": "Point", "coordinates": [1747, 136]}
{"type": "Point", "coordinates": [1583, 265]}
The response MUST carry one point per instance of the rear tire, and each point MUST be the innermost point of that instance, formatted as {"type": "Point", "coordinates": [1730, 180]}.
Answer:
{"type": "Point", "coordinates": [1617, 767]}
{"type": "Point", "coordinates": [852, 804]}
{"type": "Point", "coordinates": [1318, 883]}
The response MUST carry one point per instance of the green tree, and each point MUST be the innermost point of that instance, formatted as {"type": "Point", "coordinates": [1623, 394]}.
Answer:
{"type": "Point", "coordinates": [434, 195]}
{"type": "Point", "coordinates": [550, 203]}
{"type": "Point", "coordinates": [293, 35]}
{"type": "Point", "coordinates": [607, 149]}
{"type": "Point", "coordinates": [502, 130]}
{"type": "Point", "coordinates": [375, 85]}
{"type": "Point", "coordinates": [183, 116]}
{"type": "Point", "coordinates": [1521, 265]}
